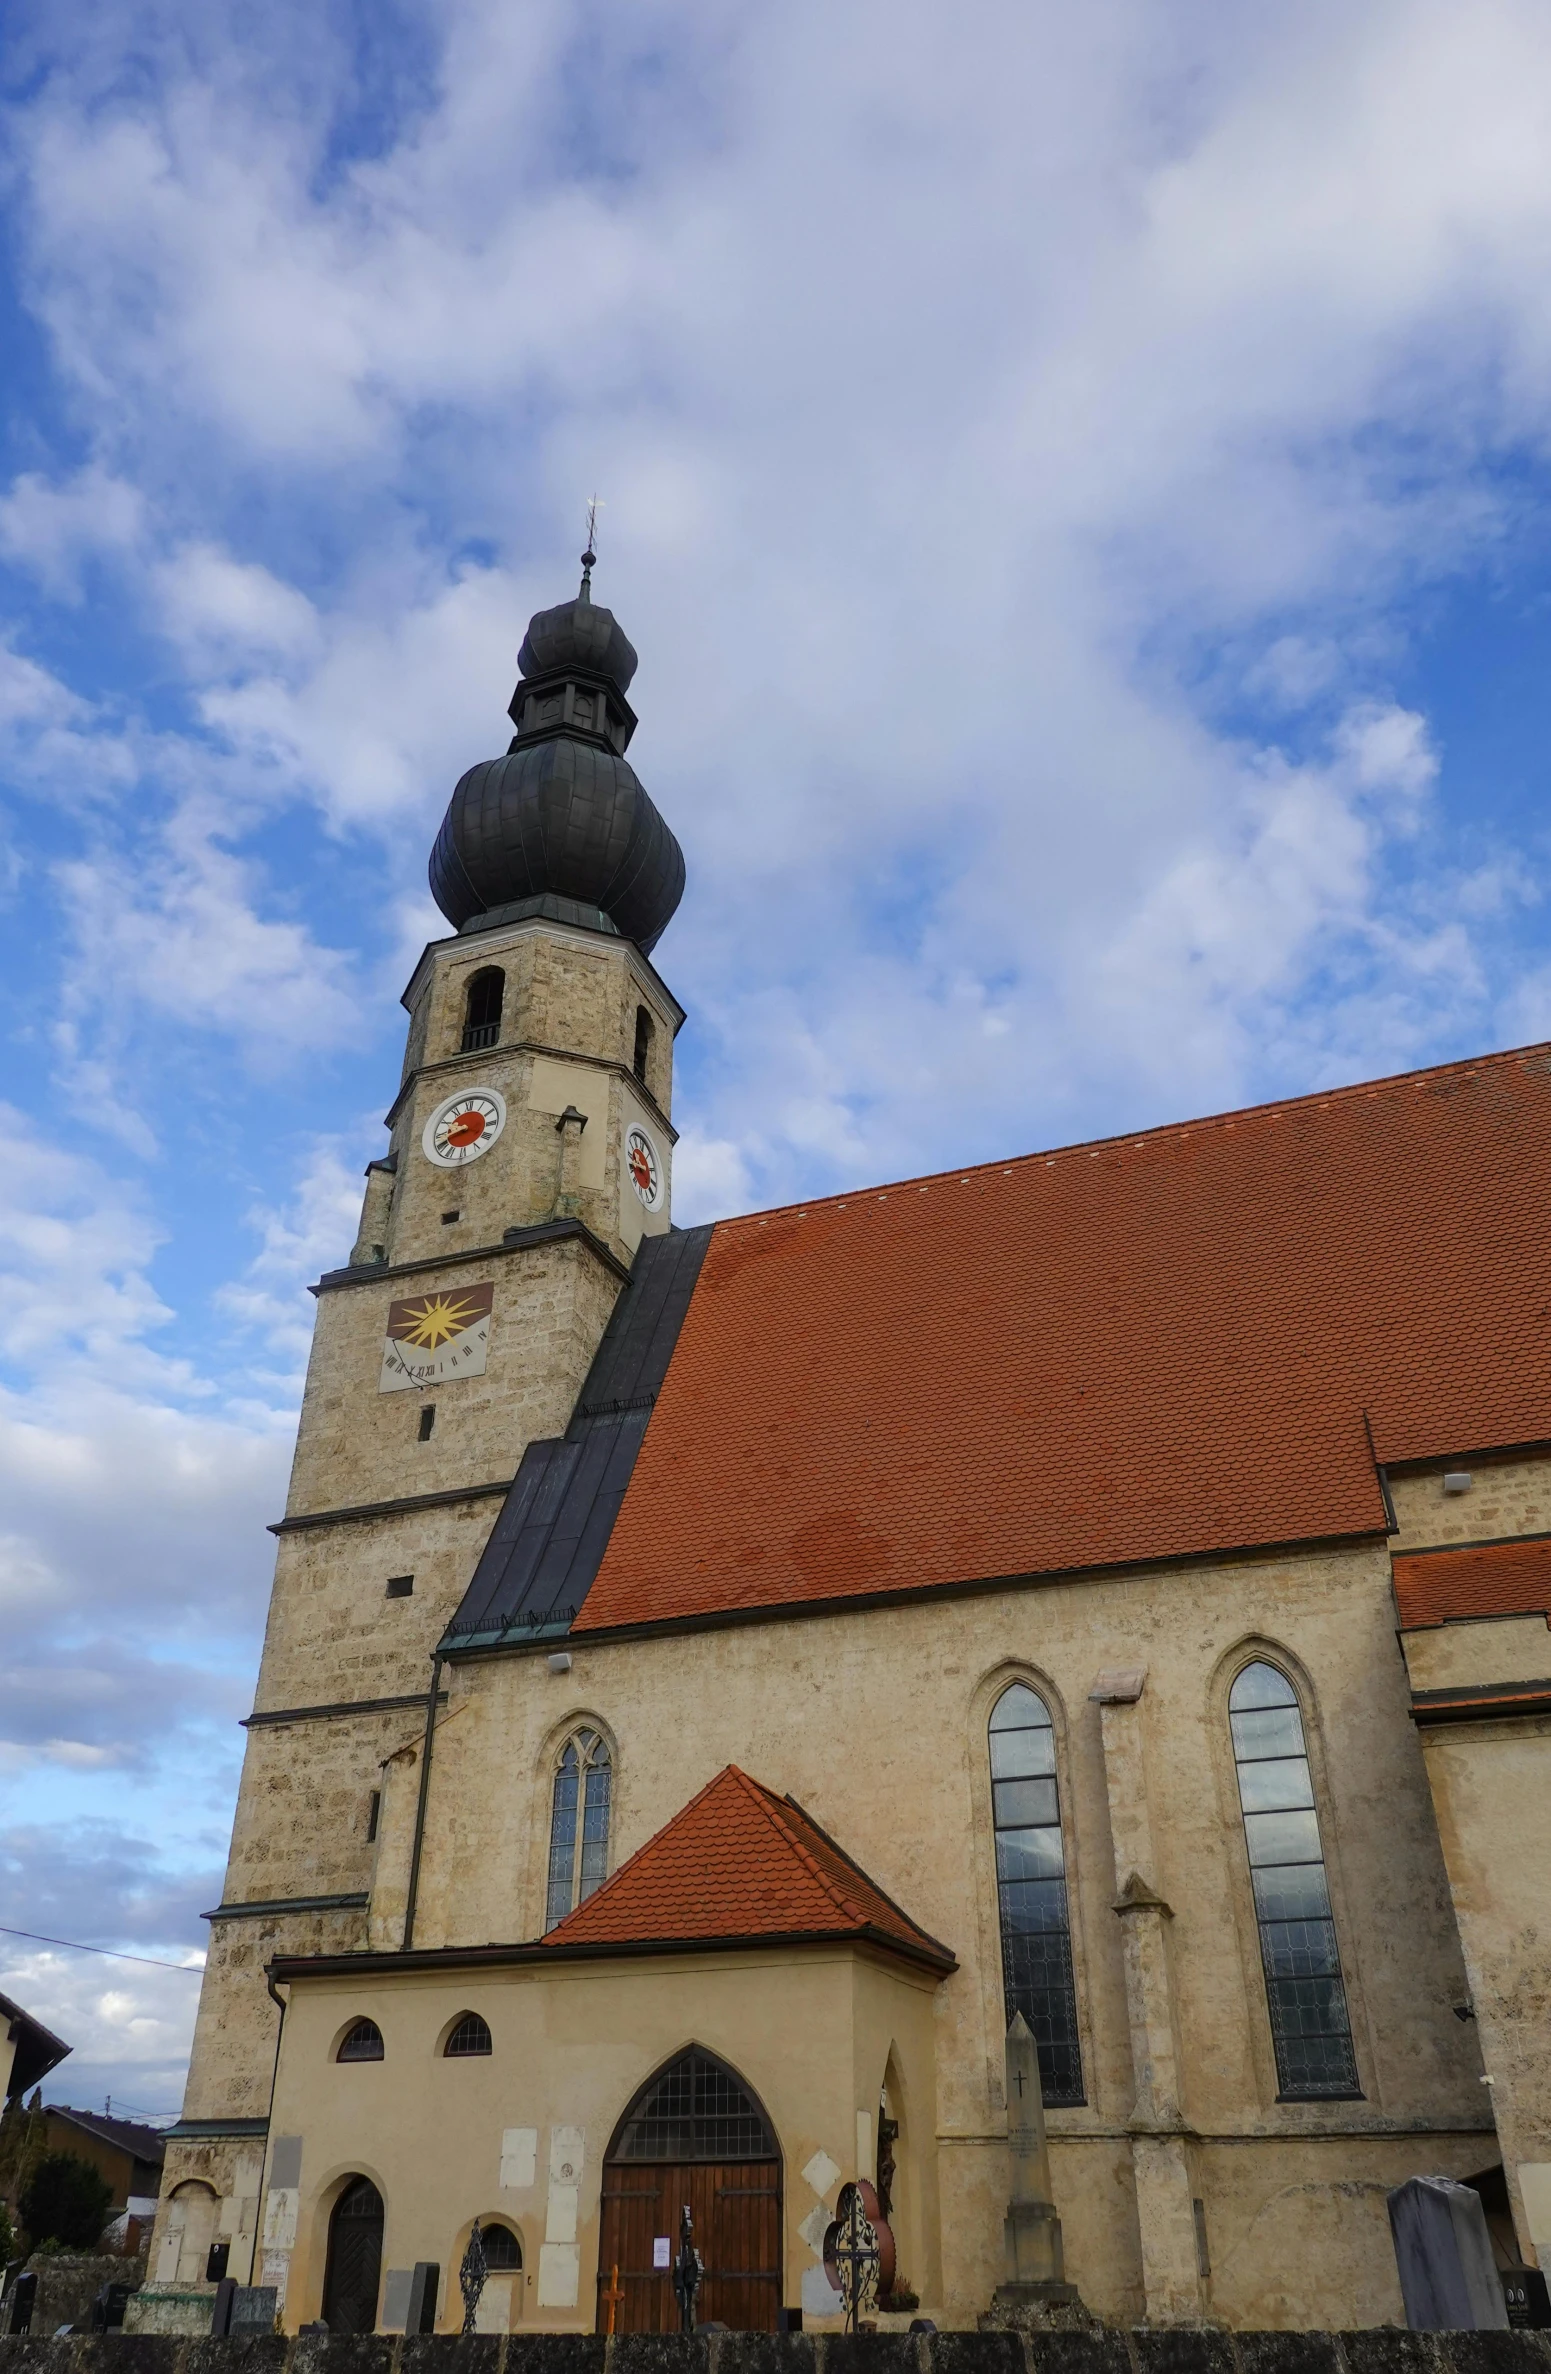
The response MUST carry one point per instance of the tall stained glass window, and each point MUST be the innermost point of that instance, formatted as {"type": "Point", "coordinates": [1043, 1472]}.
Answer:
{"type": "Point", "coordinates": [578, 1825]}
{"type": "Point", "coordinates": [1031, 1887]}
{"type": "Point", "coordinates": [1304, 1990]}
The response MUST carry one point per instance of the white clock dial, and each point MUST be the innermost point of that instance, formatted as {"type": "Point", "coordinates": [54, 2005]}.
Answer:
{"type": "Point", "coordinates": [464, 1127]}
{"type": "Point", "coordinates": [644, 1164]}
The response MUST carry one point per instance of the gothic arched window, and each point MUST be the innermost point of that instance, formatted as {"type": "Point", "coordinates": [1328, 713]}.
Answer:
{"type": "Point", "coordinates": [578, 1824]}
{"type": "Point", "coordinates": [482, 1013]}
{"type": "Point", "coordinates": [471, 2035]}
{"type": "Point", "coordinates": [1031, 1887]}
{"type": "Point", "coordinates": [363, 2042]}
{"type": "Point", "coordinates": [1310, 2028]}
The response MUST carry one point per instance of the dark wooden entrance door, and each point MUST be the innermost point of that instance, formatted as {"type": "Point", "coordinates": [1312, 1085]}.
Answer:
{"type": "Point", "coordinates": [354, 2271]}
{"type": "Point", "coordinates": [694, 2136]}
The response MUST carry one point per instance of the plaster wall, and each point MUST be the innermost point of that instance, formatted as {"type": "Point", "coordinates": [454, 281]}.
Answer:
{"type": "Point", "coordinates": [1491, 1787]}
{"type": "Point", "coordinates": [1465, 1655]}
{"type": "Point", "coordinates": [811, 2033]}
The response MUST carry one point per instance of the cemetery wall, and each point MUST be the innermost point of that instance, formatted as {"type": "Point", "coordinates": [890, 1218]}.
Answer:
{"type": "Point", "coordinates": [1387, 2350]}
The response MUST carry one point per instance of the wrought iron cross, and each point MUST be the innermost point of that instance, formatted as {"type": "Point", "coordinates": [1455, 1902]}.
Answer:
{"type": "Point", "coordinates": [854, 2257]}
{"type": "Point", "coordinates": [471, 2276]}
{"type": "Point", "coordinates": [688, 2270]}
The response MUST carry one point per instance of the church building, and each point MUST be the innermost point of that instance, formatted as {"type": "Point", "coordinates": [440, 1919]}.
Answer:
{"type": "Point", "coordinates": [716, 1677]}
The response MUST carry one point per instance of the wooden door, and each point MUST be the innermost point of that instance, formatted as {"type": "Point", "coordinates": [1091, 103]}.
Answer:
{"type": "Point", "coordinates": [354, 2273]}
{"type": "Point", "coordinates": [736, 2206]}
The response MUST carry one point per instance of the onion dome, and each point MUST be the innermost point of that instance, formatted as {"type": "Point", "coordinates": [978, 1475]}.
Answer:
{"type": "Point", "coordinates": [561, 826]}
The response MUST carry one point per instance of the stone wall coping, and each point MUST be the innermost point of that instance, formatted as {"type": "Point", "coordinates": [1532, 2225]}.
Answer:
{"type": "Point", "coordinates": [1386, 2349]}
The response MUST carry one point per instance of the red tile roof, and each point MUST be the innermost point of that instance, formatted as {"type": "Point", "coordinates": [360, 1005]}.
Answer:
{"type": "Point", "coordinates": [1155, 1347]}
{"type": "Point", "coordinates": [1505, 1578]}
{"type": "Point", "coordinates": [740, 1862]}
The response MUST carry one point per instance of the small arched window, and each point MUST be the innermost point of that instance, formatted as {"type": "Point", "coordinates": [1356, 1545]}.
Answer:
{"type": "Point", "coordinates": [363, 2042]}
{"type": "Point", "coordinates": [482, 1014]}
{"type": "Point", "coordinates": [645, 1032]}
{"type": "Point", "coordinates": [579, 1825]}
{"type": "Point", "coordinates": [469, 2037]}
{"type": "Point", "coordinates": [503, 2251]}
{"type": "Point", "coordinates": [1310, 2028]}
{"type": "Point", "coordinates": [1031, 1888]}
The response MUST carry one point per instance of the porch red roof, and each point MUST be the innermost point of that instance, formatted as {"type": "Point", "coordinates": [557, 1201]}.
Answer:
{"type": "Point", "coordinates": [738, 1862]}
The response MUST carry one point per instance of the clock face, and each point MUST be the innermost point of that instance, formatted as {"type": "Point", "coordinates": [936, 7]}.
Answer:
{"type": "Point", "coordinates": [644, 1166]}
{"type": "Point", "coordinates": [464, 1127]}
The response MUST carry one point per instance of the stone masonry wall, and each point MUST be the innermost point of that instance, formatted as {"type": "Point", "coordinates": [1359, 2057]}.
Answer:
{"type": "Point", "coordinates": [1384, 2350]}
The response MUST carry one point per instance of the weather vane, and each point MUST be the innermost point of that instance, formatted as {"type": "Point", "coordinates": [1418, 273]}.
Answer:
{"type": "Point", "coordinates": [594, 506]}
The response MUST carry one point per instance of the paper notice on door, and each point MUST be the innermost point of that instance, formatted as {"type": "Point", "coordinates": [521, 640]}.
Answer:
{"type": "Point", "coordinates": [662, 2250]}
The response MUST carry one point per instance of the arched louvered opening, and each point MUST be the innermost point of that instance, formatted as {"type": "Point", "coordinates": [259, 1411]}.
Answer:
{"type": "Point", "coordinates": [482, 1011]}
{"type": "Point", "coordinates": [695, 2136]}
{"type": "Point", "coordinates": [503, 2251]}
{"type": "Point", "coordinates": [645, 1032]}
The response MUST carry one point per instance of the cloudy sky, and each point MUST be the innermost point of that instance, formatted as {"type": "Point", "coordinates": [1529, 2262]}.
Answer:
{"type": "Point", "coordinates": [1077, 479]}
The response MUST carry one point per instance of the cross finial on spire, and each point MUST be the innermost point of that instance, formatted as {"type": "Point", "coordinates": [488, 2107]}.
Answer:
{"type": "Point", "coordinates": [594, 506]}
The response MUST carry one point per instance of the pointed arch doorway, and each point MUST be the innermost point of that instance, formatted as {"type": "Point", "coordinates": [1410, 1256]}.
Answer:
{"type": "Point", "coordinates": [354, 2272]}
{"type": "Point", "coordinates": [694, 2134]}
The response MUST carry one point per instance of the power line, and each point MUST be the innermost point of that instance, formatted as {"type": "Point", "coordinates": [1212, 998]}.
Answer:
{"type": "Point", "coordinates": [71, 1946]}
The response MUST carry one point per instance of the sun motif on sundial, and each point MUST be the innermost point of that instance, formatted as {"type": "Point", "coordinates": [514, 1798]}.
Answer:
{"type": "Point", "coordinates": [431, 1339]}
{"type": "Point", "coordinates": [439, 1318]}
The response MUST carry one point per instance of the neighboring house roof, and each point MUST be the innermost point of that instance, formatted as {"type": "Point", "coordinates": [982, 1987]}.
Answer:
{"type": "Point", "coordinates": [1500, 1578]}
{"type": "Point", "coordinates": [1183, 1342]}
{"type": "Point", "coordinates": [38, 2049]}
{"type": "Point", "coordinates": [122, 2134]}
{"type": "Point", "coordinates": [741, 1862]}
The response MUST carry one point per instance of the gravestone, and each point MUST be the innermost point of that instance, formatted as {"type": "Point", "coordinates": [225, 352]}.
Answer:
{"type": "Point", "coordinates": [1034, 2289]}
{"type": "Point", "coordinates": [420, 2312]}
{"type": "Point", "coordinates": [1448, 2277]}
{"type": "Point", "coordinates": [254, 2308]}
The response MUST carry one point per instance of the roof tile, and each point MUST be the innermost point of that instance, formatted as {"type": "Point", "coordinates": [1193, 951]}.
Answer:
{"type": "Point", "coordinates": [1162, 1346]}
{"type": "Point", "coordinates": [737, 1862]}
{"type": "Point", "coordinates": [1506, 1578]}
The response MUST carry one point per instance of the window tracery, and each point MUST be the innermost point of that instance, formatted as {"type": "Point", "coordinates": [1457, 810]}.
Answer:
{"type": "Point", "coordinates": [1311, 2030]}
{"type": "Point", "coordinates": [1037, 1976]}
{"type": "Point", "coordinates": [578, 1824]}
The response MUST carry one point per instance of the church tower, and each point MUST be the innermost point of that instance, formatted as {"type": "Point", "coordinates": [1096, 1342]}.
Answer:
{"type": "Point", "coordinates": [531, 1147]}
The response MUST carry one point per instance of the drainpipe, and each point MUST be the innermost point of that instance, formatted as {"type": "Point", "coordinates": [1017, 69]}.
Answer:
{"type": "Point", "coordinates": [274, 2079]}
{"type": "Point", "coordinates": [425, 1791]}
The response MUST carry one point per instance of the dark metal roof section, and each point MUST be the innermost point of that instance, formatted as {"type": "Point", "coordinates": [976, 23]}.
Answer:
{"type": "Point", "coordinates": [548, 1541]}
{"type": "Point", "coordinates": [561, 825]}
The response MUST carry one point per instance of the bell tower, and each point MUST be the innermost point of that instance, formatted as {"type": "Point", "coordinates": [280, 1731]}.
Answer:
{"type": "Point", "coordinates": [530, 1150]}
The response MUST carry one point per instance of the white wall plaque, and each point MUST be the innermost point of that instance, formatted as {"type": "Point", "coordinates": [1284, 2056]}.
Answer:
{"type": "Point", "coordinates": [560, 2266]}
{"type": "Point", "coordinates": [560, 2218]}
{"type": "Point", "coordinates": [280, 2218]}
{"type": "Point", "coordinates": [566, 2145]}
{"type": "Point", "coordinates": [519, 2158]}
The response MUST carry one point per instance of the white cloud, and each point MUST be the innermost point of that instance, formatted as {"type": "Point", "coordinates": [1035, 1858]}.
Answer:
{"type": "Point", "coordinates": [176, 929]}
{"type": "Point", "coordinates": [52, 526]}
{"type": "Point", "coordinates": [313, 1231]}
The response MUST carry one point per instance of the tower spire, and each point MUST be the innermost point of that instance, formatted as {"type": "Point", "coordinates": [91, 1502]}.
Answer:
{"type": "Point", "coordinates": [589, 557]}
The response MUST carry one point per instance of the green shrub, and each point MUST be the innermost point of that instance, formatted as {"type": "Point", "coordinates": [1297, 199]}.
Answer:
{"type": "Point", "coordinates": [65, 2201]}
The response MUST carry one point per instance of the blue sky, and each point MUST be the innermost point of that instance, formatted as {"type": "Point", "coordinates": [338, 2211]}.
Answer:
{"type": "Point", "coordinates": [1077, 481]}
